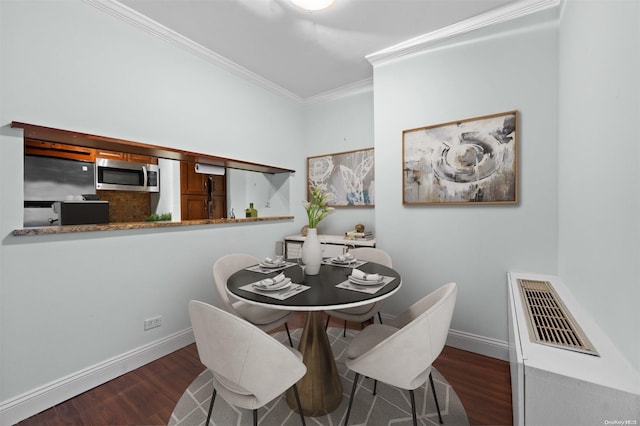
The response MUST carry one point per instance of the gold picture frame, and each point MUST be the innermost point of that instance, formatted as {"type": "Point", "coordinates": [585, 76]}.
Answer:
{"type": "Point", "coordinates": [471, 161]}
{"type": "Point", "coordinates": [349, 177]}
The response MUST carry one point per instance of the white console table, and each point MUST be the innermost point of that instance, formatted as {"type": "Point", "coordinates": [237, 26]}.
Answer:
{"type": "Point", "coordinates": [332, 245]}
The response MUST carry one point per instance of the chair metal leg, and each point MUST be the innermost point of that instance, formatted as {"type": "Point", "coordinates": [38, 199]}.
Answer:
{"type": "Point", "coordinates": [295, 391]}
{"type": "Point", "coordinates": [375, 386]}
{"type": "Point", "coordinates": [213, 398]}
{"type": "Point", "coordinates": [413, 408]}
{"type": "Point", "coordinates": [435, 397]}
{"type": "Point", "coordinates": [288, 334]}
{"type": "Point", "coordinates": [380, 317]}
{"type": "Point", "coordinates": [255, 417]}
{"type": "Point", "coordinates": [327, 324]}
{"type": "Point", "coordinates": [353, 392]}
{"type": "Point", "coordinates": [344, 332]}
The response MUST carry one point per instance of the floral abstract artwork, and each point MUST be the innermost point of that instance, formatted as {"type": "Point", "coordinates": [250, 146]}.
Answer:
{"type": "Point", "coordinates": [467, 161]}
{"type": "Point", "coordinates": [347, 176]}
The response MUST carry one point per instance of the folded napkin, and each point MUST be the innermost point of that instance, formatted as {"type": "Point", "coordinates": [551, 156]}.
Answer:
{"type": "Point", "coordinates": [268, 282]}
{"type": "Point", "coordinates": [345, 257]}
{"type": "Point", "coordinates": [357, 273]}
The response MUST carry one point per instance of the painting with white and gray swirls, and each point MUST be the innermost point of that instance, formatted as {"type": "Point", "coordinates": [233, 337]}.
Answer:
{"type": "Point", "coordinates": [467, 161]}
{"type": "Point", "coordinates": [348, 176]}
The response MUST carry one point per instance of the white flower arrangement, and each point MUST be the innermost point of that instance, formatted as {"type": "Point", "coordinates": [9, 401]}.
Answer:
{"type": "Point", "coordinates": [317, 208]}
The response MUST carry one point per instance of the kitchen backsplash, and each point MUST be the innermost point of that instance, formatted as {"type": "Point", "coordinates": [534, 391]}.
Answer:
{"type": "Point", "coordinates": [127, 206]}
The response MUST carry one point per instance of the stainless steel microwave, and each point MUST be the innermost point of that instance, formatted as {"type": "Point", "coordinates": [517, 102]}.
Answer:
{"type": "Point", "coordinates": [127, 176]}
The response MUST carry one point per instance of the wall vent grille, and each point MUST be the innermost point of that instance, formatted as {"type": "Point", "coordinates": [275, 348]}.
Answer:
{"type": "Point", "coordinates": [548, 319]}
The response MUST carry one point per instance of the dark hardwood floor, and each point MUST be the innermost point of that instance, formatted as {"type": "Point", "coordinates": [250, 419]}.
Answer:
{"type": "Point", "coordinates": [146, 396]}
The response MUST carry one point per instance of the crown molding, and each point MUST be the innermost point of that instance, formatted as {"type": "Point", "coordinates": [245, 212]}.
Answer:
{"type": "Point", "coordinates": [421, 43]}
{"type": "Point", "coordinates": [351, 89]}
{"type": "Point", "coordinates": [130, 16]}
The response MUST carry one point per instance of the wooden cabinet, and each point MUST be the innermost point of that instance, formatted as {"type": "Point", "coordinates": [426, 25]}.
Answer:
{"type": "Point", "coordinates": [54, 149]}
{"type": "Point", "coordinates": [125, 156]}
{"type": "Point", "coordinates": [110, 155]}
{"type": "Point", "coordinates": [201, 196]}
{"type": "Point", "coordinates": [73, 152]}
{"type": "Point", "coordinates": [138, 158]}
{"type": "Point", "coordinates": [218, 185]}
{"type": "Point", "coordinates": [190, 181]}
{"type": "Point", "coordinates": [219, 206]}
{"type": "Point", "coordinates": [194, 207]}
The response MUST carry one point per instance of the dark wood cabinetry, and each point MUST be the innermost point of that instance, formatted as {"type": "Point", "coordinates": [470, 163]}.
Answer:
{"type": "Point", "coordinates": [201, 196]}
{"type": "Point", "coordinates": [190, 181]}
{"type": "Point", "coordinates": [54, 149]}
{"type": "Point", "coordinates": [218, 185]}
{"type": "Point", "coordinates": [194, 207]}
{"type": "Point", "coordinates": [74, 152]}
{"type": "Point", "coordinates": [110, 155]}
{"type": "Point", "coordinates": [219, 206]}
{"type": "Point", "coordinates": [125, 156]}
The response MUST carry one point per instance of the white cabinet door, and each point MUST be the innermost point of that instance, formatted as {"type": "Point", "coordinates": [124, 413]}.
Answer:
{"type": "Point", "coordinates": [332, 250]}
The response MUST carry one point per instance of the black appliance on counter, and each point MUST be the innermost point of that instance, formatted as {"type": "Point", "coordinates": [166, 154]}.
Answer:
{"type": "Point", "coordinates": [82, 212]}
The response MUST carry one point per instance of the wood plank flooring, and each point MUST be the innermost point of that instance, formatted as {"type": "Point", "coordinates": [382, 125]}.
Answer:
{"type": "Point", "coordinates": [146, 396]}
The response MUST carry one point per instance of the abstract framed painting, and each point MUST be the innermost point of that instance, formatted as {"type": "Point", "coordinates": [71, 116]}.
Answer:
{"type": "Point", "coordinates": [472, 161]}
{"type": "Point", "coordinates": [349, 177]}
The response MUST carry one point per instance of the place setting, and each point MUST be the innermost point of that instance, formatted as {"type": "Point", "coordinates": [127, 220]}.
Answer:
{"type": "Point", "coordinates": [346, 260]}
{"type": "Point", "coordinates": [269, 265]}
{"type": "Point", "coordinates": [278, 287]}
{"type": "Point", "coordinates": [364, 282]}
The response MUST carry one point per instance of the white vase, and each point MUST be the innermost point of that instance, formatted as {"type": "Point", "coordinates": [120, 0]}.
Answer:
{"type": "Point", "coordinates": [312, 252]}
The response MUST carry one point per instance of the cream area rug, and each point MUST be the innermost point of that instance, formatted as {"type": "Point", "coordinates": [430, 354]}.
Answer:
{"type": "Point", "coordinates": [390, 406]}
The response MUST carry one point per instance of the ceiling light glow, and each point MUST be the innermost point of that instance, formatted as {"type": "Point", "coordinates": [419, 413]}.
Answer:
{"type": "Point", "coordinates": [313, 4]}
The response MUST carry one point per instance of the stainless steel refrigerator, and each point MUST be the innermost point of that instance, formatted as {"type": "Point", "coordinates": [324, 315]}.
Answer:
{"type": "Point", "coordinates": [48, 180]}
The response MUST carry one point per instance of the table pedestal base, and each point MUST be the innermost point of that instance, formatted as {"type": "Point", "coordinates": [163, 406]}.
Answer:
{"type": "Point", "coordinates": [321, 388]}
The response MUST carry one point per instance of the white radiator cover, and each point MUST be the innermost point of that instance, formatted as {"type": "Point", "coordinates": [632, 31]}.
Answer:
{"type": "Point", "coordinates": [553, 386]}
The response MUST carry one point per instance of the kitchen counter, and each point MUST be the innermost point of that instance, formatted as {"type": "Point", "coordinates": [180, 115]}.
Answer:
{"type": "Point", "coordinates": [47, 230]}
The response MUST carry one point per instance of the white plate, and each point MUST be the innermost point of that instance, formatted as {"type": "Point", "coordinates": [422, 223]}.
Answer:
{"type": "Point", "coordinates": [283, 284]}
{"type": "Point", "coordinates": [272, 265]}
{"type": "Point", "coordinates": [365, 282]}
{"type": "Point", "coordinates": [343, 262]}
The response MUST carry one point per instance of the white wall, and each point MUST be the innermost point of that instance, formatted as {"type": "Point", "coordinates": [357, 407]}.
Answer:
{"type": "Point", "coordinates": [511, 67]}
{"type": "Point", "coordinates": [237, 192]}
{"type": "Point", "coordinates": [344, 124]}
{"type": "Point", "coordinates": [270, 193]}
{"type": "Point", "coordinates": [72, 301]}
{"type": "Point", "coordinates": [599, 245]}
{"type": "Point", "coordinates": [168, 199]}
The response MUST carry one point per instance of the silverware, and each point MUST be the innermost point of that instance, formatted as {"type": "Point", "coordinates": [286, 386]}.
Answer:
{"type": "Point", "coordinates": [291, 290]}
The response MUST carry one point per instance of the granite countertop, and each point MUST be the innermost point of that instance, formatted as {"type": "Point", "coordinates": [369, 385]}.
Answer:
{"type": "Point", "coordinates": [47, 230]}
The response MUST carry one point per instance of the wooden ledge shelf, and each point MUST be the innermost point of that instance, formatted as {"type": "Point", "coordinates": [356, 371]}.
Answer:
{"type": "Point", "coordinates": [49, 230]}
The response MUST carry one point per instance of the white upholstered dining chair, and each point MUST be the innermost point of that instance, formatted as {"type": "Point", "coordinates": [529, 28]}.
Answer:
{"type": "Point", "coordinates": [401, 353]}
{"type": "Point", "coordinates": [362, 313]}
{"type": "Point", "coordinates": [264, 318]}
{"type": "Point", "coordinates": [250, 368]}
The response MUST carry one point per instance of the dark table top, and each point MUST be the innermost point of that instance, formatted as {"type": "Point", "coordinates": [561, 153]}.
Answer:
{"type": "Point", "coordinates": [322, 294]}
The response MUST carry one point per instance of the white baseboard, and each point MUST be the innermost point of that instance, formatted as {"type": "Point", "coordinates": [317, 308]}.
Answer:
{"type": "Point", "coordinates": [481, 345]}
{"type": "Point", "coordinates": [46, 396]}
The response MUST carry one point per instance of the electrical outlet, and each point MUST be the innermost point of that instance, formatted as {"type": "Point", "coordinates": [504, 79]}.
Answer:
{"type": "Point", "coordinates": [152, 323]}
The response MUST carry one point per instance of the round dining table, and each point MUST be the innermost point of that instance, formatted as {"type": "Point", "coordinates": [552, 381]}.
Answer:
{"type": "Point", "coordinates": [320, 389]}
